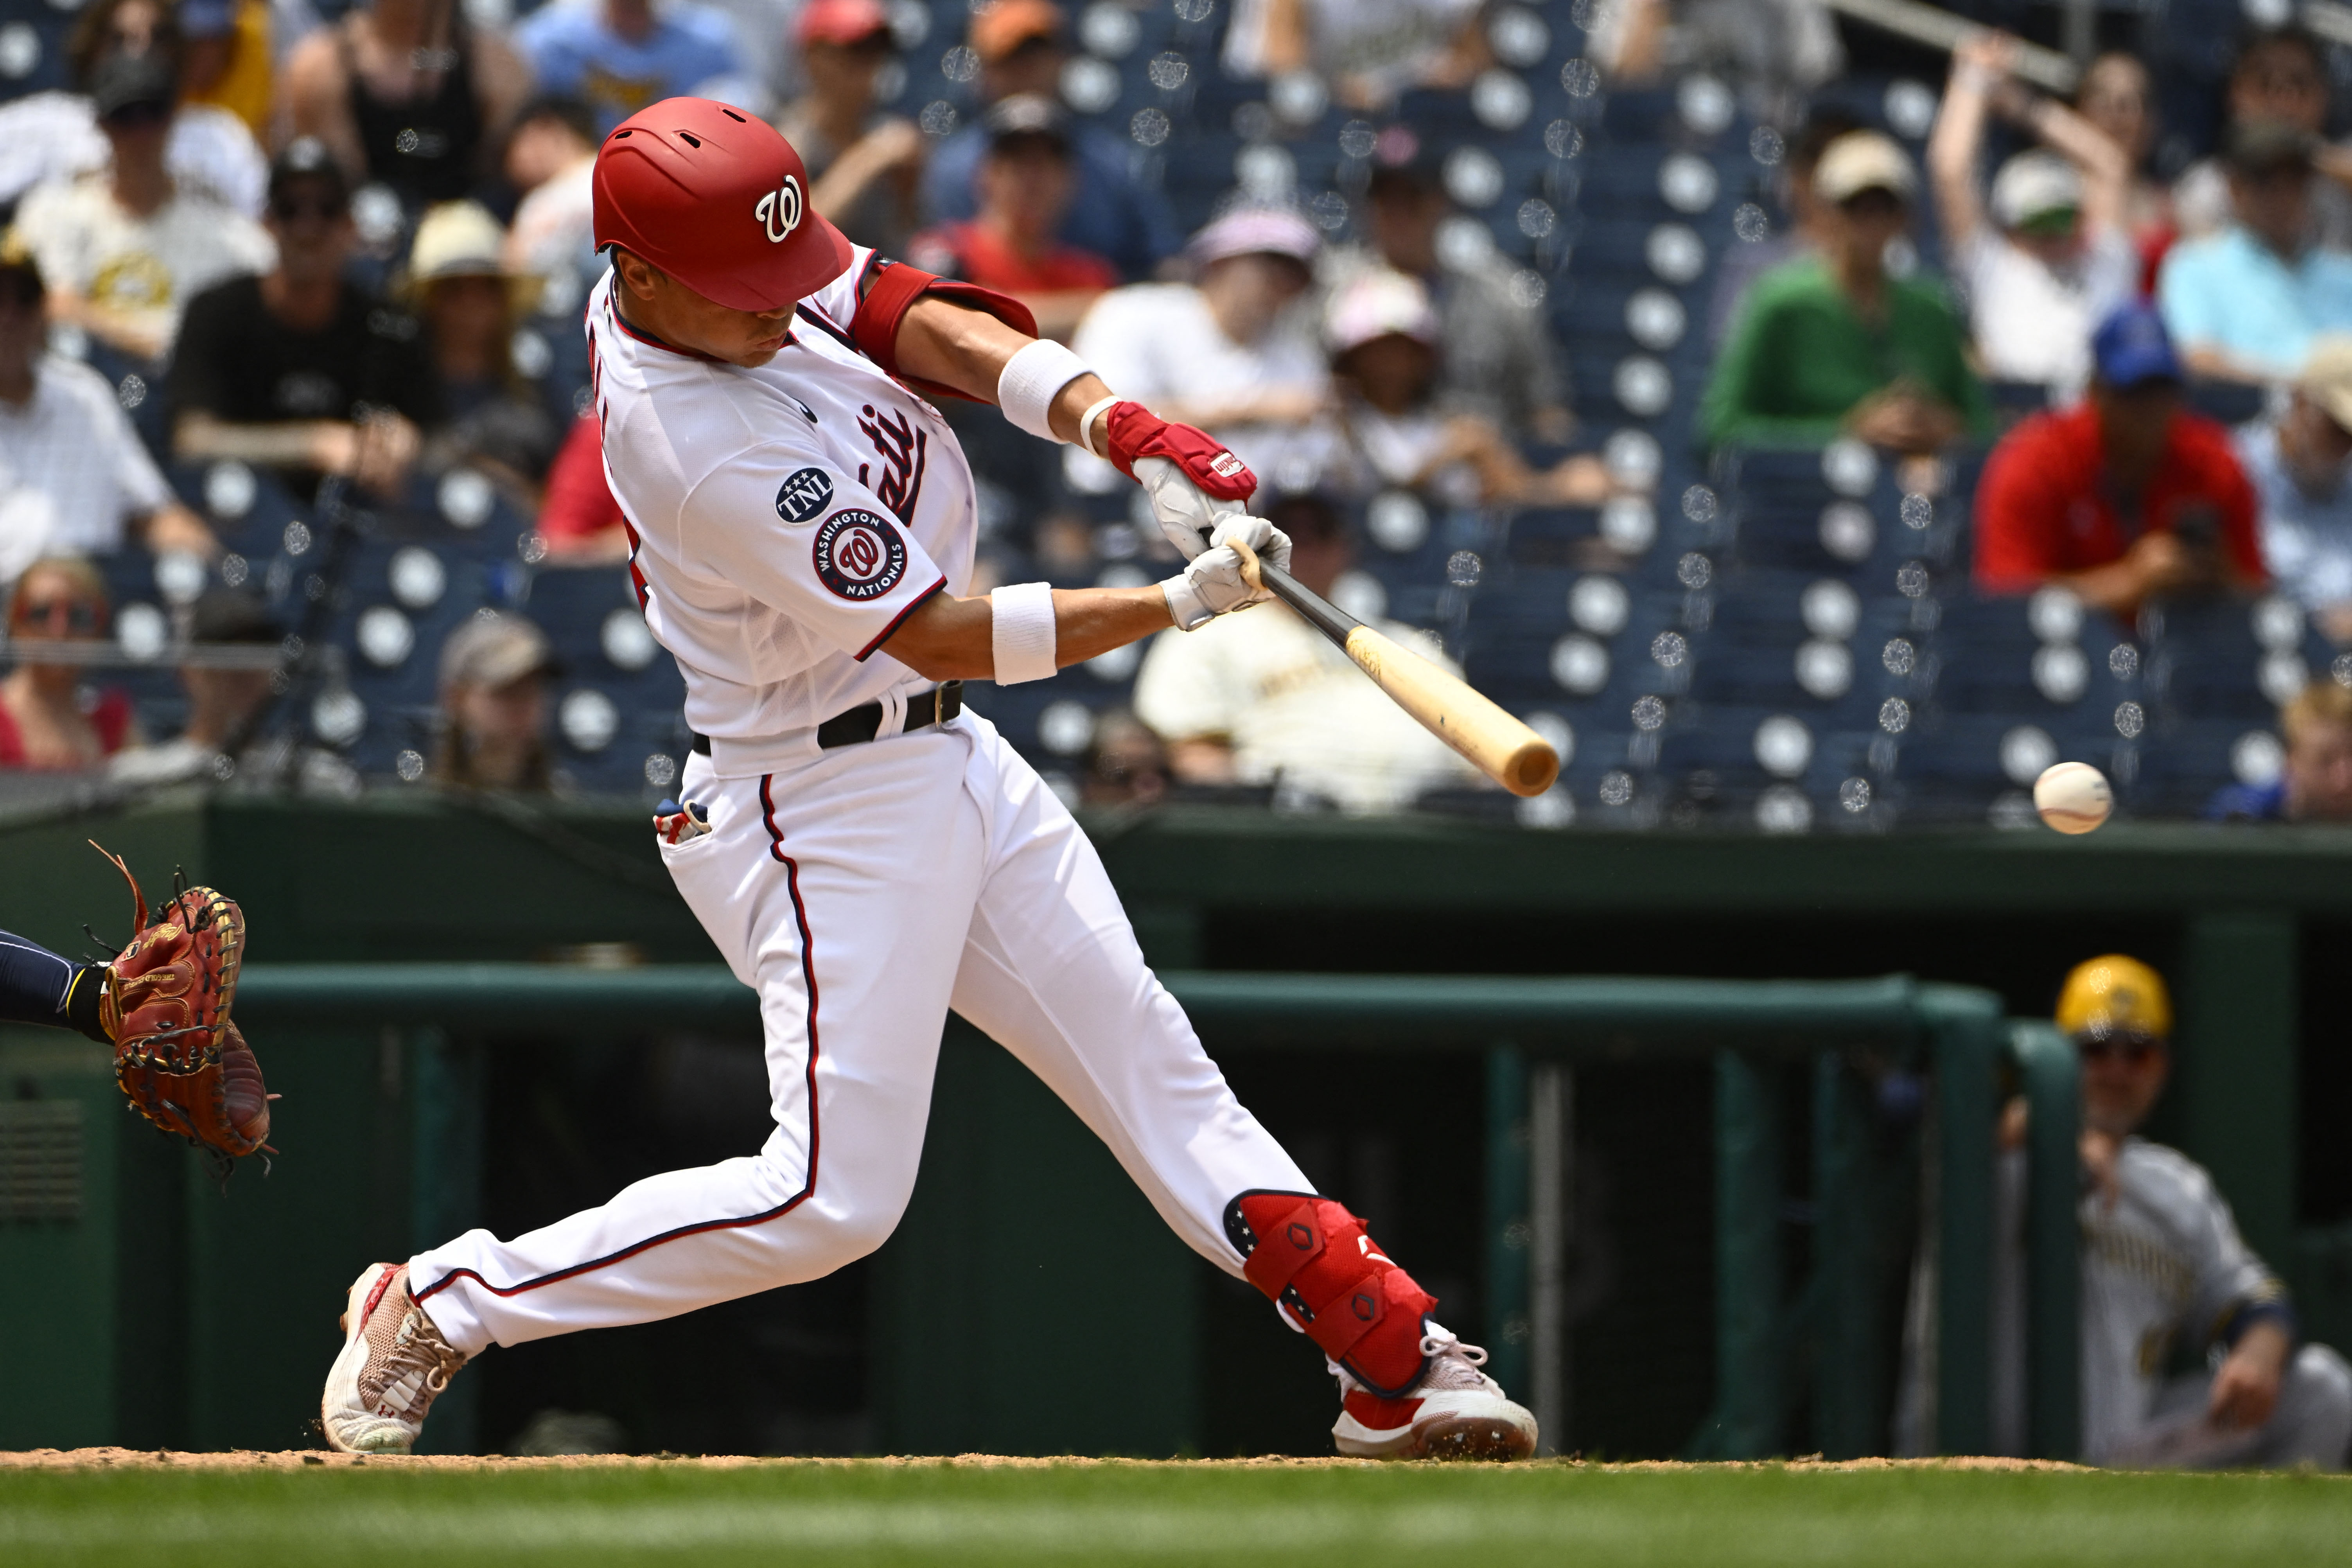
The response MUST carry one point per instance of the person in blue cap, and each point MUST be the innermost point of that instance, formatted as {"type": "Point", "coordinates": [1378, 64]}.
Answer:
{"type": "Point", "coordinates": [2123, 497]}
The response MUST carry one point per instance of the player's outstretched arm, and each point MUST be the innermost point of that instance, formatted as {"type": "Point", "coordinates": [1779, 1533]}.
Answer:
{"type": "Point", "coordinates": [948, 639]}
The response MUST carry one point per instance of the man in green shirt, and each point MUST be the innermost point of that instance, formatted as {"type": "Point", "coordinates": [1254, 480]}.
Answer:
{"type": "Point", "coordinates": [1831, 344]}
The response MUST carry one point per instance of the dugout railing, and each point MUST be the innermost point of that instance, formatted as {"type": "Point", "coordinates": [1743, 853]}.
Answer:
{"type": "Point", "coordinates": [1811, 1256]}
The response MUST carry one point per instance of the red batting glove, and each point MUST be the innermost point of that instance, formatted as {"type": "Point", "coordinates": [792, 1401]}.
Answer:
{"type": "Point", "coordinates": [1137, 432]}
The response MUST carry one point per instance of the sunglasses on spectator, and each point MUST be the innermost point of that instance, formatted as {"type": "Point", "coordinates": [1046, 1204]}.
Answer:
{"type": "Point", "coordinates": [293, 209]}
{"type": "Point", "coordinates": [77, 615]}
{"type": "Point", "coordinates": [2132, 1050]}
{"type": "Point", "coordinates": [133, 115]}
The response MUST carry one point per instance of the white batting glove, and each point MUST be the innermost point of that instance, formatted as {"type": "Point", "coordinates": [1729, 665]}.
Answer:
{"type": "Point", "coordinates": [1186, 514]}
{"type": "Point", "coordinates": [1271, 544]}
{"type": "Point", "coordinates": [1210, 586]}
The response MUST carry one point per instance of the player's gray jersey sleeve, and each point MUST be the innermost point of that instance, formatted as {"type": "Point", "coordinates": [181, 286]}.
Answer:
{"type": "Point", "coordinates": [810, 543]}
{"type": "Point", "coordinates": [2225, 1273]}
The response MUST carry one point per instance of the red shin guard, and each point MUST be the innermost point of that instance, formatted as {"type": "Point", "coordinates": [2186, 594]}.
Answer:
{"type": "Point", "coordinates": [1313, 1257]}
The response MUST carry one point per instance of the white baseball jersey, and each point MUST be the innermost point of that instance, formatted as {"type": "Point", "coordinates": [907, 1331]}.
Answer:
{"type": "Point", "coordinates": [783, 521]}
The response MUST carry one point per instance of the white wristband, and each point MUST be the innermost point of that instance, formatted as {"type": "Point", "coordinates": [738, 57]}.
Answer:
{"type": "Point", "coordinates": [1027, 386]}
{"type": "Point", "coordinates": [1086, 427]}
{"type": "Point", "coordinates": [1020, 631]}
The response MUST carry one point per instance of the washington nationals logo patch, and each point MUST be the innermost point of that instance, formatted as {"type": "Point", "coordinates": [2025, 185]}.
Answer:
{"type": "Point", "coordinates": [803, 494]}
{"type": "Point", "coordinates": [858, 554]}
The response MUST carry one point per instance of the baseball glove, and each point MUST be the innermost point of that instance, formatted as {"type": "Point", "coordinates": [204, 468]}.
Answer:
{"type": "Point", "coordinates": [165, 1004]}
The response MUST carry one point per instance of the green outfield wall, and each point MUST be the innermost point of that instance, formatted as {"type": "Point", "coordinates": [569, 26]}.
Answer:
{"type": "Point", "coordinates": [1020, 1220]}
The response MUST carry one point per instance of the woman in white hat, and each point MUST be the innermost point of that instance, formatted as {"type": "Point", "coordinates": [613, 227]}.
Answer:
{"type": "Point", "coordinates": [470, 304]}
{"type": "Point", "coordinates": [1392, 428]}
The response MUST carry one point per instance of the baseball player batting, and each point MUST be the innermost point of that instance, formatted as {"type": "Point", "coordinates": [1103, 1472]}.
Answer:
{"type": "Point", "coordinates": [865, 853]}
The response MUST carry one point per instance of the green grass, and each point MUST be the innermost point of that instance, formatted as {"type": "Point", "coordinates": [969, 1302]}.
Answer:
{"type": "Point", "coordinates": [911, 1513]}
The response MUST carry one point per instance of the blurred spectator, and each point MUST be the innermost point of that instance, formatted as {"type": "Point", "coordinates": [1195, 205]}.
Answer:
{"type": "Point", "coordinates": [2117, 98]}
{"type": "Point", "coordinates": [49, 720]}
{"type": "Point", "coordinates": [2279, 78]}
{"type": "Point", "coordinates": [408, 94]}
{"type": "Point", "coordinates": [2124, 496]}
{"type": "Point", "coordinates": [2165, 1271]}
{"type": "Point", "coordinates": [73, 475]}
{"type": "Point", "coordinates": [2246, 302]}
{"type": "Point", "coordinates": [229, 63]}
{"type": "Point", "coordinates": [769, 69]}
{"type": "Point", "coordinates": [2300, 466]}
{"type": "Point", "coordinates": [1500, 361]}
{"type": "Point", "coordinates": [1778, 51]}
{"type": "Point", "coordinates": [470, 305]}
{"type": "Point", "coordinates": [1390, 428]}
{"type": "Point", "coordinates": [1226, 352]}
{"type": "Point", "coordinates": [864, 163]}
{"type": "Point", "coordinates": [1025, 184]}
{"type": "Point", "coordinates": [2315, 781]}
{"type": "Point", "coordinates": [224, 692]}
{"type": "Point", "coordinates": [1114, 215]}
{"type": "Point", "coordinates": [2052, 259]}
{"type": "Point", "coordinates": [1262, 698]}
{"type": "Point", "coordinates": [1833, 343]}
{"type": "Point", "coordinates": [227, 677]}
{"type": "Point", "coordinates": [494, 671]}
{"type": "Point", "coordinates": [1369, 51]}
{"type": "Point", "coordinates": [125, 250]}
{"type": "Point", "coordinates": [618, 56]}
{"type": "Point", "coordinates": [300, 369]}
{"type": "Point", "coordinates": [1793, 182]}
{"type": "Point", "coordinates": [49, 138]}
{"type": "Point", "coordinates": [1125, 764]}
{"type": "Point", "coordinates": [550, 158]}
{"type": "Point", "coordinates": [579, 519]}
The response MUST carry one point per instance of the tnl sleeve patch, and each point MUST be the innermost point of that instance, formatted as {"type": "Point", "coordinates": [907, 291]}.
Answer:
{"type": "Point", "coordinates": [858, 554]}
{"type": "Point", "coordinates": [803, 494]}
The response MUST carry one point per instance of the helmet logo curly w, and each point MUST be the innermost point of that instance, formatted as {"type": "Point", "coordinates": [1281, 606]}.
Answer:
{"type": "Point", "coordinates": [780, 210]}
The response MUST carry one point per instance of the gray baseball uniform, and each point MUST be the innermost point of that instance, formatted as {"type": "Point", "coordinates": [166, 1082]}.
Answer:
{"type": "Point", "coordinates": [2164, 1268]}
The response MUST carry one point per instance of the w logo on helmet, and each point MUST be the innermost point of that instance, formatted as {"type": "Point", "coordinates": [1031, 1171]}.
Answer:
{"type": "Point", "coordinates": [780, 210]}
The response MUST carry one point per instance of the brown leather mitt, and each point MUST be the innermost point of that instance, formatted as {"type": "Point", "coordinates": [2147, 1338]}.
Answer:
{"type": "Point", "coordinates": [165, 1005]}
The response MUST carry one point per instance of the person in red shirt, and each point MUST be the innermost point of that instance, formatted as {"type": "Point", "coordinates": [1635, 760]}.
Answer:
{"type": "Point", "coordinates": [1024, 185]}
{"type": "Point", "coordinates": [579, 519]}
{"type": "Point", "coordinates": [2123, 497]}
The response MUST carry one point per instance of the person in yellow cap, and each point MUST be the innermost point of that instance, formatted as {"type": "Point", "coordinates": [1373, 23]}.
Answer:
{"type": "Point", "coordinates": [2165, 1272]}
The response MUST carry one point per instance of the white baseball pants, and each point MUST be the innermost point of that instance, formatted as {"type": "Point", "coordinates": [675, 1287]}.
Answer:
{"type": "Point", "coordinates": [862, 896]}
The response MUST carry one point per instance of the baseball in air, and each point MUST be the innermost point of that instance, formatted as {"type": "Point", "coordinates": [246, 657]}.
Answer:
{"type": "Point", "coordinates": [2072, 797]}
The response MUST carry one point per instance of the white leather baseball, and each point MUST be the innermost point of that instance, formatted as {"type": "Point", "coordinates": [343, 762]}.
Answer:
{"type": "Point", "coordinates": [2072, 797]}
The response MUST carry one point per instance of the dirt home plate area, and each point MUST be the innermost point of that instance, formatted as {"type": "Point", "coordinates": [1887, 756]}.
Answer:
{"type": "Point", "coordinates": [124, 1506]}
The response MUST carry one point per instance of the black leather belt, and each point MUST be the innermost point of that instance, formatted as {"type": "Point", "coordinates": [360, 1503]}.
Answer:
{"type": "Point", "coordinates": [935, 705]}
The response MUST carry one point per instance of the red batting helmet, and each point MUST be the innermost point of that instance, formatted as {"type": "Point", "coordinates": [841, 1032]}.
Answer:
{"type": "Point", "coordinates": [717, 199]}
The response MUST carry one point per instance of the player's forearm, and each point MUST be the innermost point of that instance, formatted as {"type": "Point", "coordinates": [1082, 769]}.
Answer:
{"type": "Point", "coordinates": [958, 346]}
{"type": "Point", "coordinates": [954, 639]}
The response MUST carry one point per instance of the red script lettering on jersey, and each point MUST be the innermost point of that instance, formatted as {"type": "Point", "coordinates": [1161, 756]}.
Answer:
{"type": "Point", "coordinates": [904, 450]}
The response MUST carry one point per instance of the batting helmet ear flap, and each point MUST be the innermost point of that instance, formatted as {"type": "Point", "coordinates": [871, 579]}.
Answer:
{"type": "Point", "coordinates": [717, 201]}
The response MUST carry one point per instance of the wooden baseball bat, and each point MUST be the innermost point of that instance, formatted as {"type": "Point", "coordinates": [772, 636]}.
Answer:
{"type": "Point", "coordinates": [1500, 746]}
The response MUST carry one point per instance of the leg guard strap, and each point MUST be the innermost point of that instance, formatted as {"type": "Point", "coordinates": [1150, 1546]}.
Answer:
{"type": "Point", "coordinates": [1315, 1258]}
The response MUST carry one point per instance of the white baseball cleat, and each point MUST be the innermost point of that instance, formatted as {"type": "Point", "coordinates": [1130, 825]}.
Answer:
{"type": "Point", "coordinates": [1455, 1412]}
{"type": "Point", "coordinates": [394, 1363]}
